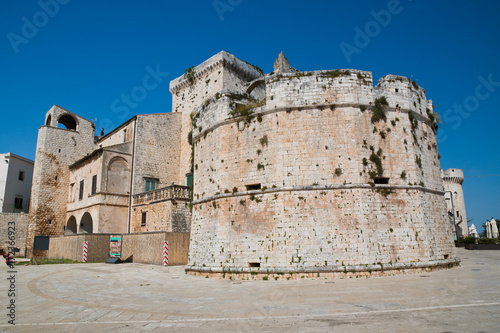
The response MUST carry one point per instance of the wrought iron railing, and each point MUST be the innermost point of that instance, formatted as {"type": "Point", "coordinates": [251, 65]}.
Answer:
{"type": "Point", "coordinates": [169, 192]}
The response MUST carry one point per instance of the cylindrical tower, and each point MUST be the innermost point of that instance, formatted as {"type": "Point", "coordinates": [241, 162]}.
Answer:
{"type": "Point", "coordinates": [326, 176]}
{"type": "Point", "coordinates": [452, 182]}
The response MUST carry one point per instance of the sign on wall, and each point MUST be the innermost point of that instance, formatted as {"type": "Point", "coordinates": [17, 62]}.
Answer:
{"type": "Point", "coordinates": [115, 246]}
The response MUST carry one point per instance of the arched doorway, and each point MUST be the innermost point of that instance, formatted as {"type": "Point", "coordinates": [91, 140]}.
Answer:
{"type": "Point", "coordinates": [86, 224]}
{"type": "Point", "coordinates": [71, 226]}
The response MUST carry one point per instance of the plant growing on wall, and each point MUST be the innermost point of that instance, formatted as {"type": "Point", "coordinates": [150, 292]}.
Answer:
{"type": "Point", "coordinates": [378, 109]}
{"type": "Point", "coordinates": [189, 74]}
{"type": "Point", "coordinates": [375, 159]}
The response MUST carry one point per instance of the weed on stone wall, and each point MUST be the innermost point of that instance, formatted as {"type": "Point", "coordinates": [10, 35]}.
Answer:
{"type": "Point", "coordinates": [378, 109]}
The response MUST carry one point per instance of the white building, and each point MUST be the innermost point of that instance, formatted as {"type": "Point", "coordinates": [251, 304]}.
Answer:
{"type": "Point", "coordinates": [16, 173]}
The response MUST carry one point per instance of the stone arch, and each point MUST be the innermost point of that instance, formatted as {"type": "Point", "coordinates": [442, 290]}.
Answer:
{"type": "Point", "coordinates": [71, 227]}
{"type": "Point", "coordinates": [118, 176]}
{"type": "Point", "coordinates": [67, 121]}
{"type": "Point", "coordinates": [255, 84]}
{"type": "Point", "coordinates": [86, 224]}
{"type": "Point", "coordinates": [49, 120]}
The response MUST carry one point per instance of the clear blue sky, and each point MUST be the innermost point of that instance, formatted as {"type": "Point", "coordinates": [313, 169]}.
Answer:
{"type": "Point", "coordinates": [83, 55]}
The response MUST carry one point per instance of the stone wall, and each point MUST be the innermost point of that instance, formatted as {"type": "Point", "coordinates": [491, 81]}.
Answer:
{"type": "Point", "coordinates": [147, 248]}
{"type": "Point", "coordinates": [164, 215]}
{"type": "Point", "coordinates": [157, 150]}
{"type": "Point", "coordinates": [57, 148]}
{"type": "Point", "coordinates": [20, 224]}
{"type": "Point", "coordinates": [310, 178]}
{"type": "Point", "coordinates": [223, 70]}
{"type": "Point", "coordinates": [71, 247]}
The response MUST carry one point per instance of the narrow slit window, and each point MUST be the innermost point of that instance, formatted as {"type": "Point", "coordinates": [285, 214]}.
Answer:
{"type": "Point", "coordinates": [252, 187]}
{"type": "Point", "coordinates": [381, 180]}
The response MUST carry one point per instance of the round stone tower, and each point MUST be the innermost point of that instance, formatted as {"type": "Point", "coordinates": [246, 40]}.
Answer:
{"type": "Point", "coordinates": [323, 175]}
{"type": "Point", "coordinates": [452, 182]}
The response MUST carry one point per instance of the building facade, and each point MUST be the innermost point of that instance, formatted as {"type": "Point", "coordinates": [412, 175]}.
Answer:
{"type": "Point", "coordinates": [107, 184]}
{"type": "Point", "coordinates": [318, 173]}
{"type": "Point", "coordinates": [16, 173]}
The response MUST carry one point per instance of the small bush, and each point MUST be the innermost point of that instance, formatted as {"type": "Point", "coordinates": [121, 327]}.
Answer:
{"type": "Point", "coordinates": [378, 109]}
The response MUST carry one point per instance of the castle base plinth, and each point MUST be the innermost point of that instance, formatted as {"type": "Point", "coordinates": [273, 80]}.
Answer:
{"type": "Point", "coordinates": [332, 272]}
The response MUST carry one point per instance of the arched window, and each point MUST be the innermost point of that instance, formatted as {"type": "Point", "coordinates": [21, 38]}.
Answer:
{"type": "Point", "coordinates": [67, 121]}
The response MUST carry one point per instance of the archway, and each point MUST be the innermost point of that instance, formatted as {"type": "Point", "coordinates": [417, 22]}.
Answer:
{"type": "Point", "coordinates": [71, 226]}
{"type": "Point", "coordinates": [86, 224]}
{"type": "Point", "coordinates": [67, 121]}
{"type": "Point", "coordinates": [118, 176]}
{"type": "Point", "coordinates": [49, 120]}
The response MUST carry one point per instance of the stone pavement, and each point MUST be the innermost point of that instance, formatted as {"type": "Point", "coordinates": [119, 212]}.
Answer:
{"type": "Point", "coordinates": [140, 298]}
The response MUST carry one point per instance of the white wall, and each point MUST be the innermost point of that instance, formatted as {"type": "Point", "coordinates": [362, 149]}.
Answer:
{"type": "Point", "coordinates": [10, 185]}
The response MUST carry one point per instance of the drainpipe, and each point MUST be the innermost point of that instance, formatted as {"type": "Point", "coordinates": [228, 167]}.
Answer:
{"type": "Point", "coordinates": [453, 213]}
{"type": "Point", "coordinates": [131, 177]}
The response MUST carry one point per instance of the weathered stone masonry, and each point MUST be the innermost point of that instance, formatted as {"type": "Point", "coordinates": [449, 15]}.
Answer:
{"type": "Point", "coordinates": [307, 180]}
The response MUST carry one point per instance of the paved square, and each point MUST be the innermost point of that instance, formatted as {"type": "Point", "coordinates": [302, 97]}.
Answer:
{"type": "Point", "coordinates": [140, 298]}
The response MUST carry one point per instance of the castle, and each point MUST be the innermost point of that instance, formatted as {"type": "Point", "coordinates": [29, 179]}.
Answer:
{"type": "Point", "coordinates": [304, 173]}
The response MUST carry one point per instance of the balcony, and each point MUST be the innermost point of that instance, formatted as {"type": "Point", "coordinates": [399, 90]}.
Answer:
{"type": "Point", "coordinates": [166, 193]}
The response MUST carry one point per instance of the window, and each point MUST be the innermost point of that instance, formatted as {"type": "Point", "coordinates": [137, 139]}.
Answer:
{"type": "Point", "coordinates": [189, 179]}
{"type": "Point", "coordinates": [150, 184]}
{"type": "Point", "coordinates": [143, 219]}
{"type": "Point", "coordinates": [458, 213]}
{"type": "Point", "coordinates": [80, 195]}
{"type": "Point", "coordinates": [18, 202]}
{"type": "Point", "coordinates": [381, 180]}
{"type": "Point", "coordinates": [253, 187]}
{"type": "Point", "coordinates": [94, 185]}
{"type": "Point", "coordinates": [21, 175]}
{"type": "Point", "coordinates": [71, 192]}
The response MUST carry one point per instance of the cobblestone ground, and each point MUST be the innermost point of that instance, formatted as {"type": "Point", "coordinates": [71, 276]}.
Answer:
{"type": "Point", "coordinates": [137, 298]}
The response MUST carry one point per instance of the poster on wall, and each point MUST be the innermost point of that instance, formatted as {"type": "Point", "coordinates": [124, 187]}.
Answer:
{"type": "Point", "coordinates": [115, 246]}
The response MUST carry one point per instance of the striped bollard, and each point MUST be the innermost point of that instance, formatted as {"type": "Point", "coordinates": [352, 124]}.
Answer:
{"type": "Point", "coordinates": [85, 250]}
{"type": "Point", "coordinates": [165, 253]}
